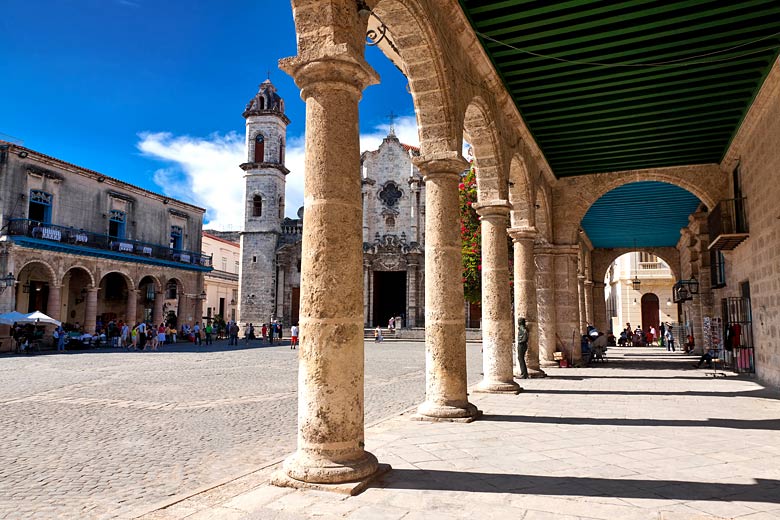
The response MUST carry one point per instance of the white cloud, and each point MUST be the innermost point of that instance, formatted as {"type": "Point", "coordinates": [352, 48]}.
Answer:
{"type": "Point", "coordinates": [204, 170]}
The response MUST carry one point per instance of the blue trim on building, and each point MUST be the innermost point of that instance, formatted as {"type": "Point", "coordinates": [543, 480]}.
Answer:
{"type": "Point", "coordinates": [101, 253]}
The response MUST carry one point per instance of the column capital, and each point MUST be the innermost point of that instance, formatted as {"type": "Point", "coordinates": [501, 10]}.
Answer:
{"type": "Point", "coordinates": [437, 164]}
{"type": "Point", "coordinates": [492, 208]}
{"type": "Point", "coordinates": [93, 289]}
{"type": "Point", "coordinates": [327, 65]}
{"type": "Point", "coordinates": [522, 233]}
{"type": "Point", "coordinates": [589, 282]}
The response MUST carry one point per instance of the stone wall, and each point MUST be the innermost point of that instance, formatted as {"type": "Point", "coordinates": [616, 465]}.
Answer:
{"type": "Point", "coordinates": [756, 149]}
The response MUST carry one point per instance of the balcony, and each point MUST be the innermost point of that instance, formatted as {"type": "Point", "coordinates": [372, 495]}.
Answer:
{"type": "Point", "coordinates": [727, 224]}
{"type": "Point", "coordinates": [85, 242]}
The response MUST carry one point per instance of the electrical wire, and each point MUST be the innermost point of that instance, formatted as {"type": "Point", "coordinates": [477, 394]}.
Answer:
{"type": "Point", "coordinates": [673, 63]}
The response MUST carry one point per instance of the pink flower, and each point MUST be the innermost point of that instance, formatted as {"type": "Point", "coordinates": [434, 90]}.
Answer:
{"type": "Point", "coordinates": [461, 186]}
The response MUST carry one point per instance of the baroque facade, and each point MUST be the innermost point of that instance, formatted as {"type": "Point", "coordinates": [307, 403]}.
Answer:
{"type": "Point", "coordinates": [85, 248]}
{"type": "Point", "coordinates": [393, 209]}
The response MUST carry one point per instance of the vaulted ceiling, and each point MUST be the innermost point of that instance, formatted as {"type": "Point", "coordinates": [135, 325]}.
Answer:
{"type": "Point", "coordinates": [621, 85]}
{"type": "Point", "coordinates": [616, 85]}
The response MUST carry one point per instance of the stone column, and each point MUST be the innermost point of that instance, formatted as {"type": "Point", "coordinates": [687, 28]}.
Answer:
{"type": "Point", "coordinates": [588, 294]}
{"type": "Point", "coordinates": [497, 355]}
{"type": "Point", "coordinates": [581, 303]}
{"type": "Point", "coordinates": [90, 318]}
{"type": "Point", "coordinates": [545, 305]}
{"type": "Point", "coordinates": [411, 294]}
{"type": "Point", "coordinates": [567, 301]}
{"type": "Point", "coordinates": [446, 396]}
{"type": "Point", "coordinates": [54, 303]}
{"type": "Point", "coordinates": [157, 309]}
{"type": "Point", "coordinates": [600, 308]}
{"type": "Point", "coordinates": [181, 310]}
{"type": "Point", "coordinates": [330, 363]}
{"type": "Point", "coordinates": [131, 314]}
{"type": "Point", "coordinates": [525, 288]}
{"type": "Point", "coordinates": [366, 288]}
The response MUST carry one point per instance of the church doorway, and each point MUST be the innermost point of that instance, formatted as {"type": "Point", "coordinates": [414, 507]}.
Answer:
{"type": "Point", "coordinates": [389, 296]}
{"type": "Point", "coordinates": [650, 312]}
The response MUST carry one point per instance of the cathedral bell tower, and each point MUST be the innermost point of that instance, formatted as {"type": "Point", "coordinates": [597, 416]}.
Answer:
{"type": "Point", "coordinates": [266, 133]}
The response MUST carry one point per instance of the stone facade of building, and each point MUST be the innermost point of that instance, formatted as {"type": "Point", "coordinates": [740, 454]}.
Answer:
{"type": "Point", "coordinates": [221, 284]}
{"type": "Point", "coordinates": [86, 248]}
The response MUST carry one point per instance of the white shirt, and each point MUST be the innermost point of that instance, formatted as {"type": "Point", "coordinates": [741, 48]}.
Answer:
{"type": "Point", "coordinates": [293, 331]}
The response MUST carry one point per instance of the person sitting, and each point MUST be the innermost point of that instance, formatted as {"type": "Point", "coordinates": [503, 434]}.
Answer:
{"type": "Point", "coordinates": [707, 357]}
{"type": "Point", "coordinates": [623, 339]}
{"type": "Point", "coordinates": [598, 347]}
{"type": "Point", "coordinates": [689, 344]}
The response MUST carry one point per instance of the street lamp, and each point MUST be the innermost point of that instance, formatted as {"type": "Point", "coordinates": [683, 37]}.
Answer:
{"type": "Point", "coordinates": [7, 281]}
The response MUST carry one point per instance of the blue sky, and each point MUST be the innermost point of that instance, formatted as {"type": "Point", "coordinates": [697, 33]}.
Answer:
{"type": "Point", "coordinates": [152, 92]}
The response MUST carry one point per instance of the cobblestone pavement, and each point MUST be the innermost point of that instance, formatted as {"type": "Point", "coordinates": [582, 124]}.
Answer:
{"type": "Point", "coordinates": [101, 434]}
{"type": "Point", "coordinates": [644, 436]}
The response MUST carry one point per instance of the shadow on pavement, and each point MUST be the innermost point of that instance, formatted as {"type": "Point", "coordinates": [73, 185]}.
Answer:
{"type": "Point", "coordinates": [740, 424]}
{"type": "Point", "coordinates": [763, 490]}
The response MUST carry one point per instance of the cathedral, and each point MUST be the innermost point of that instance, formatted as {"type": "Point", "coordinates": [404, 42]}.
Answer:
{"type": "Point", "coordinates": [393, 195]}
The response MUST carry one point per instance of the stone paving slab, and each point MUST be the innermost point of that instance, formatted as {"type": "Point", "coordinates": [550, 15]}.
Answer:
{"type": "Point", "coordinates": [644, 436]}
{"type": "Point", "coordinates": [105, 433]}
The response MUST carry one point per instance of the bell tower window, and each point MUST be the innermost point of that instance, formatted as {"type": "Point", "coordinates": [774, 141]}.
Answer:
{"type": "Point", "coordinates": [257, 206]}
{"type": "Point", "coordinates": [259, 148]}
{"type": "Point", "coordinates": [281, 150]}
{"type": "Point", "coordinates": [281, 208]}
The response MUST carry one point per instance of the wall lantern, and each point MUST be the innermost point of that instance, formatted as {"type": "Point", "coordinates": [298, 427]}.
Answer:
{"type": "Point", "coordinates": [7, 281]}
{"type": "Point", "coordinates": [668, 302]}
{"type": "Point", "coordinates": [636, 282]}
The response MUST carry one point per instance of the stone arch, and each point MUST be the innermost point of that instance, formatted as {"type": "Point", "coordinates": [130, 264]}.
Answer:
{"type": "Point", "coordinates": [521, 194]}
{"type": "Point", "coordinates": [92, 281]}
{"type": "Point", "coordinates": [543, 214]}
{"type": "Point", "coordinates": [128, 279]}
{"type": "Point", "coordinates": [479, 125]}
{"type": "Point", "coordinates": [601, 259]}
{"type": "Point", "coordinates": [48, 268]}
{"type": "Point", "coordinates": [259, 148]}
{"type": "Point", "coordinates": [575, 195]}
{"type": "Point", "coordinates": [158, 286]}
{"type": "Point", "coordinates": [421, 57]}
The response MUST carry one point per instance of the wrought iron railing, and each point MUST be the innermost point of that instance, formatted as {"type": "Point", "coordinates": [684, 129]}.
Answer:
{"type": "Point", "coordinates": [87, 239]}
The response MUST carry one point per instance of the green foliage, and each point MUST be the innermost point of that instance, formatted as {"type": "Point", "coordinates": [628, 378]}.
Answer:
{"type": "Point", "coordinates": [471, 237]}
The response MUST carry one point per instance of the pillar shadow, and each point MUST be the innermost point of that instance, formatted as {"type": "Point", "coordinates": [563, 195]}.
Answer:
{"type": "Point", "coordinates": [739, 424]}
{"type": "Point", "coordinates": [762, 490]}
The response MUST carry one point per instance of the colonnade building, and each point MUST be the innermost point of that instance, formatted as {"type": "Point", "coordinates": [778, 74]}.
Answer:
{"type": "Point", "coordinates": [566, 106]}
{"type": "Point", "coordinates": [85, 248]}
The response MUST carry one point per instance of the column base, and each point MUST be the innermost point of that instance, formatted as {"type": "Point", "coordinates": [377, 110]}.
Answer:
{"type": "Point", "coordinates": [311, 468]}
{"type": "Point", "coordinates": [497, 387]}
{"type": "Point", "coordinates": [281, 479]}
{"type": "Point", "coordinates": [548, 364]}
{"type": "Point", "coordinates": [439, 413]}
{"type": "Point", "coordinates": [536, 373]}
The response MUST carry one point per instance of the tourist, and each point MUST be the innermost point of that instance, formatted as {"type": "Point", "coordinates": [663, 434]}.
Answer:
{"type": "Point", "coordinates": [249, 334]}
{"type": "Point", "coordinates": [59, 335]}
{"type": "Point", "coordinates": [209, 330]}
{"type": "Point", "coordinates": [522, 346]}
{"type": "Point", "coordinates": [293, 336]}
{"type": "Point", "coordinates": [196, 333]}
{"type": "Point", "coordinates": [233, 334]}
{"type": "Point", "coordinates": [161, 334]}
{"type": "Point", "coordinates": [669, 339]}
{"type": "Point", "coordinates": [124, 335]}
{"type": "Point", "coordinates": [391, 324]}
{"type": "Point", "coordinates": [134, 337]}
{"type": "Point", "coordinates": [378, 334]}
{"type": "Point", "coordinates": [142, 335]}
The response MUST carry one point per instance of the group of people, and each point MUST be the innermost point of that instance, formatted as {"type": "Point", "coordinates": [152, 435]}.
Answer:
{"type": "Point", "coordinates": [270, 332]}
{"type": "Point", "coordinates": [663, 337]}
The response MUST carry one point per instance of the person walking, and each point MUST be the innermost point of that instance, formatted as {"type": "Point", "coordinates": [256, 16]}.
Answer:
{"type": "Point", "coordinates": [60, 335]}
{"type": "Point", "coordinates": [196, 333]}
{"type": "Point", "coordinates": [124, 335]}
{"type": "Point", "coordinates": [378, 334]}
{"type": "Point", "coordinates": [293, 336]}
{"type": "Point", "coordinates": [209, 330]}
{"type": "Point", "coordinates": [160, 335]}
{"type": "Point", "coordinates": [669, 339]}
{"type": "Point", "coordinates": [263, 332]}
